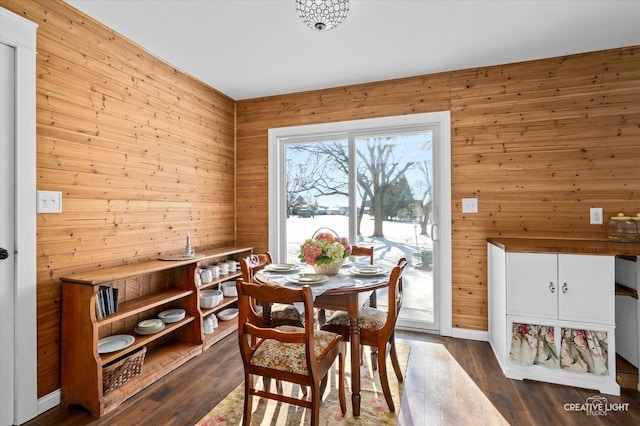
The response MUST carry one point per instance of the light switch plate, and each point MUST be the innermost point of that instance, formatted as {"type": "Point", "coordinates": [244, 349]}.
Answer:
{"type": "Point", "coordinates": [595, 215]}
{"type": "Point", "coordinates": [49, 202]}
{"type": "Point", "coordinates": [469, 205]}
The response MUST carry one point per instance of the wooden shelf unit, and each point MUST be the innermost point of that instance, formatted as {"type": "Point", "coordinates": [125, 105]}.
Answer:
{"type": "Point", "coordinates": [144, 290]}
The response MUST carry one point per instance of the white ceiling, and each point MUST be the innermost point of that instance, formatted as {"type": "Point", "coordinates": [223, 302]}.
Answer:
{"type": "Point", "coordinates": [254, 48]}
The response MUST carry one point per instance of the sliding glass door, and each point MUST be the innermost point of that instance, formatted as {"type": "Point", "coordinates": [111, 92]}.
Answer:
{"type": "Point", "coordinates": [394, 214]}
{"type": "Point", "coordinates": [376, 187]}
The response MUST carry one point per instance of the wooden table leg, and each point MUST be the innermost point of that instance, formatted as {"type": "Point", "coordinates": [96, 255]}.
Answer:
{"type": "Point", "coordinates": [354, 331]}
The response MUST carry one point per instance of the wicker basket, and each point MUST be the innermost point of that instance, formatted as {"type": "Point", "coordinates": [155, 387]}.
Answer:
{"type": "Point", "coordinates": [119, 371]}
{"type": "Point", "coordinates": [328, 268]}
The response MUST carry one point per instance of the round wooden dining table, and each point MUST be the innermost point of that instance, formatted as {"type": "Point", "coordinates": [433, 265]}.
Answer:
{"type": "Point", "coordinates": [344, 292]}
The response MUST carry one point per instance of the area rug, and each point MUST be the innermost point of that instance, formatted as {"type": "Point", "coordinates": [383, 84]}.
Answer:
{"type": "Point", "coordinates": [373, 407]}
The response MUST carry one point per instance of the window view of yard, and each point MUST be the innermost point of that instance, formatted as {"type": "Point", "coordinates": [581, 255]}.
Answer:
{"type": "Point", "coordinates": [391, 199]}
{"type": "Point", "coordinates": [399, 241]}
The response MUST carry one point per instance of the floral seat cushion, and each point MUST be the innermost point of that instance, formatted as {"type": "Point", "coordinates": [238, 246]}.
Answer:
{"type": "Point", "coordinates": [369, 318]}
{"type": "Point", "coordinates": [290, 357]}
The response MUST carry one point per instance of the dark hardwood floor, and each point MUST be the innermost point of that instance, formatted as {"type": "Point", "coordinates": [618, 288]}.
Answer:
{"type": "Point", "coordinates": [448, 382]}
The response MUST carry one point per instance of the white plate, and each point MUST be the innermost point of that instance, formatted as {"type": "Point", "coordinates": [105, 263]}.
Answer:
{"type": "Point", "coordinates": [145, 331]}
{"type": "Point", "coordinates": [172, 315]}
{"type": "Point", "coordinates": [367, 270]}
{"type": "Point", "coordinates": [150, 323]}
{"type": "Point", "coordinates": [227, 314]}
{"type": "Point", "coordinates": [280, 267]}
{"type": "Point", "coordinates": [115, 343]}
{"type": "Point", "coordinates": [308, 279]}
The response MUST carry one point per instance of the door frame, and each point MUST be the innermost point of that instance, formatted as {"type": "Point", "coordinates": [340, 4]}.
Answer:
{"type": "Point", "coordinates": [20, 34]}
{"type": "Point", "coordinates": [442, 193]}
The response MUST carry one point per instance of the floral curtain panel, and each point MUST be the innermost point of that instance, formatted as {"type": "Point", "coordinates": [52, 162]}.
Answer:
{"type": "Point", "coordinates": [533, 344]}
{"type": "Point", "coordinates": [583, 351]}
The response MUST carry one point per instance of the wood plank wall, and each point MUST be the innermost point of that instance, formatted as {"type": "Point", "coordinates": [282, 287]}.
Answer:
{"type": "Point", "coordinates": [142, 153]}
{"type": "Point", "coordinates": [538, 143]}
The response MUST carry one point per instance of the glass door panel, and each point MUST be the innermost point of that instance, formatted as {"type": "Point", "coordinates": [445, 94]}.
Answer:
{"type": "Point", "coordinates": [394, 214]}
{"type": "Point", "coordinates": [317, 195]}
{"type": "Point", "coordinates": [377, 190]}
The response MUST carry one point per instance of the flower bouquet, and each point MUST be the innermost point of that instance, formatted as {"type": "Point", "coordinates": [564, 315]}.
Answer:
{"type": "Point", "coordinates": [325, 251]}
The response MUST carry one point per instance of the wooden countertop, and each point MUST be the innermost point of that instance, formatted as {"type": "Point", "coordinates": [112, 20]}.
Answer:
{"type": "Point", "coordinates": [549, 245]}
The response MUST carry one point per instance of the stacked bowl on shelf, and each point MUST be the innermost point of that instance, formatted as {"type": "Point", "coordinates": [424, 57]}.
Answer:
{"type": "Point", "coordinates": [210, 298]}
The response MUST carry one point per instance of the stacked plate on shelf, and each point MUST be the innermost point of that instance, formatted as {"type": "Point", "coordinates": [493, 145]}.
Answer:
{"type": "Point", "coordinates": [172, 315]}
{"type": "Point", "coordinates": [115, 343]}
{"type": "Point", "coordinates": [150, 326]}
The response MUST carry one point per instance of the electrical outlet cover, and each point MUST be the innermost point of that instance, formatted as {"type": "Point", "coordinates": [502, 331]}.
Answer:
{"type": "Point", "coordinates": [469, 205]}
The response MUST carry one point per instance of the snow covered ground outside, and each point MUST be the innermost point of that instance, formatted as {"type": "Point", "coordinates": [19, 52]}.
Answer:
{"type": "Point", "coordinates": [400, 240]}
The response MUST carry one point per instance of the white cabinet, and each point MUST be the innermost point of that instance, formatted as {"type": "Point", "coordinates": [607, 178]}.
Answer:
{"type": "Point", "coordinates": [532, 284]}
{"type": "Point", "coordinates": [561, 286]}
{"type": "Point", "coordinates": [556, 294]}
{"type": "Point", "coordinates": [627, 310]}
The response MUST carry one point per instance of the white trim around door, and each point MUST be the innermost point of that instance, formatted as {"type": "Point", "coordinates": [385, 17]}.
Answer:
{"type": "Point", "coordinates": [443, 193]}
{"type": "Point", "coordinates": [20, 34]}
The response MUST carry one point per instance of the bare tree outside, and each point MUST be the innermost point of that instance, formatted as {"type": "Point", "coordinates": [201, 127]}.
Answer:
{"type": "Point", "coordinates": [378, 171]}
{"type": "Point", "coordinates": [298, 184]}
{"type": "Point", "coordinates": [307, 173]}
{"type": "Point", "coordinates": [424, 202]}
{"type": "Point", "coordinates": [325, 170]}
{"type": "Point", "coordinates": [325, 166]}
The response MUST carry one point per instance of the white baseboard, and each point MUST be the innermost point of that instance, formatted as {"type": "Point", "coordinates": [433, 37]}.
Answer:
{"type": "Point", "coordinates": [49, 401]}
{"type": "Point", "coordinates": [463, 333]}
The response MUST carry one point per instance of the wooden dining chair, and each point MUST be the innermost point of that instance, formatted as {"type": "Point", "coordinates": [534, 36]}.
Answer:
{"type": "Point", "coordinates": [277, 314]}
{"type": "Point", "coordinates": [298, 355]}
{"type": "Point", "coordinates": [363, 252]}
{"type": "Point", "coordinates": [377, 329]}
{"type": "Point", "coordinates": [366, 252]}
{"type": "Point", "coordinates": [373, 299]}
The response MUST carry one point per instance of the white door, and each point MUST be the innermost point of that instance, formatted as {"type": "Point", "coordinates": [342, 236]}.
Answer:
{"type": "Point", "coordinates": [532, 284]}
{"type": "Point", "coordinates": [18, 341]}
{"type": "Point", "coordinates": [587, 288]}
{"type": "Point", "coordinates": [7, 203]}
